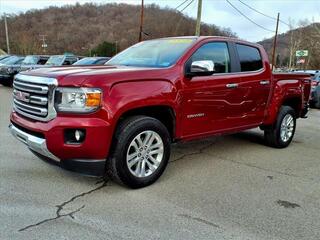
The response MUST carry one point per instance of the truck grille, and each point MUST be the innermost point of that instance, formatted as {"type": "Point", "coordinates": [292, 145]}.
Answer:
{"type": "Point", "coordinates": [33, 97]}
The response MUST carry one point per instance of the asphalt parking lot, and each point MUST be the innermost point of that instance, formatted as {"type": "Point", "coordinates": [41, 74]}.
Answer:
{"type": "Point", "coordinates": [230, 187]}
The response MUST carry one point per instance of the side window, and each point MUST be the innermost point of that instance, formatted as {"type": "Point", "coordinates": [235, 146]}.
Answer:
{"type": "Point", "coordinates": [216, 52]}
{"type": "Point", "coordinates": [42, 61]}
{"type": "Point", "coordinates": [73, 60]}
{"type": "Point", "coordinates": [19, 61]}
{"type": "Point", "coordinates": [101, 61]}
{"type": "Point", "coordinates": [66, 62]}
{"type": "Point", "coordinates": [250, 58]}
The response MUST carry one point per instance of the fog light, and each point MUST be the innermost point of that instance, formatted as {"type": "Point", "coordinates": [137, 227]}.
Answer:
{"type": "Point", "coordinates": [74, 136]}
{"type": "Point", "coordinates": [77, 135]}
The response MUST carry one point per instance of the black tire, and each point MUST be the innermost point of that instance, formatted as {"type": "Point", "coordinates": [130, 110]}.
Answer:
{"type": "Point", "coordinates": [272, 134]}
{"type": "Point", "coordinates": [117, 168]}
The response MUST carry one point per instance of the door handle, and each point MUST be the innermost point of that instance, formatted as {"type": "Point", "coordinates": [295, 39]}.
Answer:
{"type": "Point", "coordinates": [232, 85]}
{"type": "Point", "coordinates": [264, 82]}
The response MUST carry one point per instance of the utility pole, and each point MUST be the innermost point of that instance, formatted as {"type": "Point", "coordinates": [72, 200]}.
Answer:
{"type": "Point", "coordinates": [141, 21]}
{"type": "Point", "coordinates": [275, 43]}
{"type": "Point", "coordinates": [7, 35]}
{"type": "Point", "coordinates": [198, 24]}
{"type": "Point", "coordinates": [43, 39]}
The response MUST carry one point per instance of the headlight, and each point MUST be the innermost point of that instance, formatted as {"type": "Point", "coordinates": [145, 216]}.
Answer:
{"type": "Point", "coordinates": [79, 100]}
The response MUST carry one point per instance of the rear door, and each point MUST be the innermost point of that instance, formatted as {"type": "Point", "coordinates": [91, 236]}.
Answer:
{"type": "Point", "coordinates": [255, 83]}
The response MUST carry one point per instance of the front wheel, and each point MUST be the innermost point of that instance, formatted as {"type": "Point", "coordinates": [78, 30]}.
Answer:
{"type": "Point", "coordinates": [281, 133]}
{"type": "Point", "coordinates": [141, 150]}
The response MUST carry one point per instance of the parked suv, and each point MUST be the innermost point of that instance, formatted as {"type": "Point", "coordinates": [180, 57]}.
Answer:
{"type": "Point", "coordinates": [2, 57]}
{"type": "Point", "coordinates": [315, 90]}
{"type": "Point", "coordinates": [33, 62]}
{"type": "Point", "coordinates": [60, 60]}
{"type": "Point", "coordinates": [120, 119]}
{"type": "Point", "coordinates": [8, 68]}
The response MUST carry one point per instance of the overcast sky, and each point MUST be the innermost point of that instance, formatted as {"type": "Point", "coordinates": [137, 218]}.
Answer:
{"type": "Point", "coordinates": [218, 12]}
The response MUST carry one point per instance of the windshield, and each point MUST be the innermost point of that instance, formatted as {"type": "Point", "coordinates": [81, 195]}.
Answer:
{"type": "Point", "coordinates": [3, 57]}
{"type": "Point", "coordinates": [86, 61]}
{"type": "Point", "coordinates": [55, 60]}
{"type": "Point", "coordinates": [154, 53]}
{"type": "Point", "coordinates": [30, 60]}
{"type": "Point", "coordinates": [11, 60]}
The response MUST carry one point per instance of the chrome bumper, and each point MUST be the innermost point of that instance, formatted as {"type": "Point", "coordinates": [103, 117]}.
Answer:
{"type": "Point", "coordinates": [34, 143]}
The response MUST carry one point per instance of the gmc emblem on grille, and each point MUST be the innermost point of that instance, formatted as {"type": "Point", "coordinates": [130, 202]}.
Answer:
{"type": "Point", "coordinates": [22, 96]}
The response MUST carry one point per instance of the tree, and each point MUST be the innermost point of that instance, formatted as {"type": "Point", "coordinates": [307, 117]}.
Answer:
{"type": "Point", "coordinates": [104, 49]}
{"type": "Point", "coordinates": [78, 28]}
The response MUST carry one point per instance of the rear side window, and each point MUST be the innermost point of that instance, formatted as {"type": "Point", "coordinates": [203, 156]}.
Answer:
{"type": "Point", "coordinates": [250, 58]}
{"type": "Point", "coordinates": [216, 52]}
{"type": "Point", "coordinates": [42, 61]}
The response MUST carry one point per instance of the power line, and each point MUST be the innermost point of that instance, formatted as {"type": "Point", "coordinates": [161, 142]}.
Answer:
{"type": "Point", "coordinates": [273, 18]}
{"type": "Point", "coordinates": [181, 4]}
{"type": "Point", "coordinates": [249, 19]}
{"type": "Point", "coordinates": [186, 6]}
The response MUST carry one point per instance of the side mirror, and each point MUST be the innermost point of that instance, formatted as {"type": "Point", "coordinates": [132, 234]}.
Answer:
{"type": "Point", "coordinates": [201, 68]}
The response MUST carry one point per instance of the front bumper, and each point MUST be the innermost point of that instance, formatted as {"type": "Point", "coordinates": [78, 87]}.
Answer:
{"type": "Point", "coordinates": [95, 146]}
{"type": "Point", "coordinates": [48, 144]}
{"type": "Point", "coordinates": [34, 143]}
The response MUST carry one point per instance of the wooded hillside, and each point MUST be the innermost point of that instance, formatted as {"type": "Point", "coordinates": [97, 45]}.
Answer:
{"type": "Point", "coordinates": [81, 28]}
{"type": "Point", "coordinates": [305, 37]}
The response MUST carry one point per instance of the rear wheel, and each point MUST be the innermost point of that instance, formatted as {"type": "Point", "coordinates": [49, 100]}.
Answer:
{"type": "Point", "coordinates": [141, 150]}
{"type": "Point", "coordinates": [281, 133]}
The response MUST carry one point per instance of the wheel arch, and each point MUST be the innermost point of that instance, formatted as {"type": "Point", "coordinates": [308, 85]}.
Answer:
{"type": "Point", "coordinates": [295, 102]}
{"type": "Point", "coordinates": [164, 113]}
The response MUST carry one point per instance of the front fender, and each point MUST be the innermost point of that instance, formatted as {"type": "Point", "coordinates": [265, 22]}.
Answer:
{"type": "Point", "coordinates": [126, 96]}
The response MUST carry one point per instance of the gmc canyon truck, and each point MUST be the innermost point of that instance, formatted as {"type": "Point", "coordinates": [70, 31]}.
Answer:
{"type": "Point", "coordinates": [120, 119]}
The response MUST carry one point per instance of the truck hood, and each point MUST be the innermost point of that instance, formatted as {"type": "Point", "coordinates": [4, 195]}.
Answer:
{"type": "Point", "coordinates": [96, 75]}
{"type": "Point", "coordinates": [4, 68]}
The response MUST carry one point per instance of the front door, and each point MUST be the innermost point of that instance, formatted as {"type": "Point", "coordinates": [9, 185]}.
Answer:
{"type": "Point", "coordinates": [212, 103]}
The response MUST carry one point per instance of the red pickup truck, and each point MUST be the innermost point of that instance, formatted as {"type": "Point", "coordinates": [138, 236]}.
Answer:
{"type": "Point", "coordinates": [120, 119]}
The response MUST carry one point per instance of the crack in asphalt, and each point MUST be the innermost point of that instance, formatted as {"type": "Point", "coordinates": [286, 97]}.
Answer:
{"type": "Point", "coordinates": [263, 169]}
{"type": "Point", "coordinates": [199, 220]}
{"type": "Point", "coordinates": [199, 151]}
{"type": "Point", "coordinates": [202, 149]}
{"type": "Point", "coordinates": [104, 181]}
{"type": "Point", "coordinates": [61, 206]}
{"type": "Point", "coordinates": [287, 204]}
